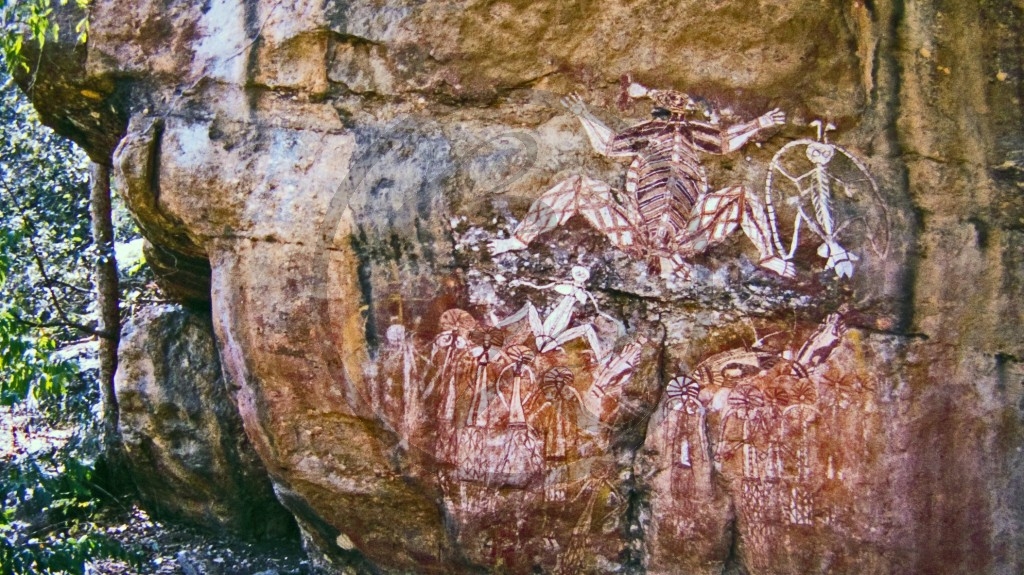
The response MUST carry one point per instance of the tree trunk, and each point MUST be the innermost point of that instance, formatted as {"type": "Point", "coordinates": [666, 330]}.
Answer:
{"type": "Point", "coordinates": [107, 299]}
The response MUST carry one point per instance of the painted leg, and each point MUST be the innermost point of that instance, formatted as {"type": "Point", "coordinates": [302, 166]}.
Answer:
{"type": "Point", "coordinates": [558, 319]}
{"type": "Point", "coordinates": [528, 312]}
{"type": "Point", "coordinates": [717, 214]}
{"type": "Point", "coordinates": [552, 209]}
{"type": "Point", "coordinates": [712, 219]}
{"type": "Point", "coordinates": [620, 223]}
{"type": "Point", "coordinates": [576, 195]}
{"type": "Point", "coordinates": [758, 230]}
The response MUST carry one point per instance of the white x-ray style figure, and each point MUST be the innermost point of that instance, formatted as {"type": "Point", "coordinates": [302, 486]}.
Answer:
{"type": "Point", "coordinates": [553, 331]}
{"type": "Point", "coordinates": [807, 186]}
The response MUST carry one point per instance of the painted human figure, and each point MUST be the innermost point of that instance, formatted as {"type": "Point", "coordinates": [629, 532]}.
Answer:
{"type": "Point", "coordinates": [556, 417]}
{"type": "Point", "coordinates": [450, 349]}
{"type": "Point", "coordinates": [518, 371]}
{"type": "Point", "coordinates": [668, 212]}
{"type": "Point", "coordinates": [486, 351]}
{"type": "Point", "coordinates": [451, 344]}
{"type": "Point", "coordinates": [553, 331]}
{"type": "Point", "coordinates": [683, 397]}
{"type": "Point", "coordinates": [401, 348]}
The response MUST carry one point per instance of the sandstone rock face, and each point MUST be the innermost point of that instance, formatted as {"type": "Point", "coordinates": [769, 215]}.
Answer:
{"type": "Point", "coordinates": [181, 431]}
{"type": "Point", "coordinates": [469, 333]}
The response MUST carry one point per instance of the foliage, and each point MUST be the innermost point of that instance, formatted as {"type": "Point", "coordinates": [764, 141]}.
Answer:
{"type": "Point", "coordinates": [33, 18]}
{"type": "Point", "coordinates": [44, 248]}
{"type": "Point", "coordinates": [50, 513]}
{"type": "Point", "coordinates": [50, 502]}
{"type": "Point", "coordinates": [47, 261]}
{"type": "Point", "coordinates": [27, 367]}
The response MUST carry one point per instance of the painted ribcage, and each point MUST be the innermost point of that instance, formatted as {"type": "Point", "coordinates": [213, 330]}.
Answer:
{"type": "Point", "coordinates": [667, 179]}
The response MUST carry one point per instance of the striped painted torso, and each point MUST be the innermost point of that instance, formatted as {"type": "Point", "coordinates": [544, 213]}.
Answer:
{"type": "Point", "coordinates": [666, 176]}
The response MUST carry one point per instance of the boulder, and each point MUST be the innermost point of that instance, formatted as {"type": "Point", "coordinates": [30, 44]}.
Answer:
{"type": "Point", "coordinates": [181, 432]}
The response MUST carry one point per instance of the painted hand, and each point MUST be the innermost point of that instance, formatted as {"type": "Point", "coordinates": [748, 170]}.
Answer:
{"type": "Point", "coordinates": [775, 117]}
{"type": "Point", "coordinates": [574, 104]}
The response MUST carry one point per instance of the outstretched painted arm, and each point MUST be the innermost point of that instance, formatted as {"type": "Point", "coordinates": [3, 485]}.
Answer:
{"type": "Point", "coordinates": [527, 283]}
{"type": "Point", "coordinates": [600, 136]}
{"type": "Point", "coordinates": [735, 137]}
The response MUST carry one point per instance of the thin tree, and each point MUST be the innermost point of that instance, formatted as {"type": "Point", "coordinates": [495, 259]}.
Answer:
{"type": "Point", "coordinates": [107, 298]}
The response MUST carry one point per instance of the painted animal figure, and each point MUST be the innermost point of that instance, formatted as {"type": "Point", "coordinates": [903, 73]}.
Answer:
{"type": "Point", "coordinates": [668, 212]}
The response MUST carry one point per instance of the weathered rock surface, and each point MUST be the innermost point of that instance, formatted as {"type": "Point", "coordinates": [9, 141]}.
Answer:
{"type": "Point", "coordinates": [342, 167]}
{"type": "Point", "coordinates": [186, 448]}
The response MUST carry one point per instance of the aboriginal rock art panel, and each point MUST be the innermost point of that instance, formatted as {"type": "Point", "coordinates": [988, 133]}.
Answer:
{"type": "Point", "coordinates": [668, 211]}
{"type": "Point", "coordinates": [513, 399]}
{"type": "Point", "coordinates": [786, 430]}
{"type": "Point", "coordinates": [516, 412]}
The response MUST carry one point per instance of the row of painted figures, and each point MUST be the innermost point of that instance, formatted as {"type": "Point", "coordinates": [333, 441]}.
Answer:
{"type": "Point", "coordinates": [788, 432]}
{"type": "Point", "coordinates": [510, 397]}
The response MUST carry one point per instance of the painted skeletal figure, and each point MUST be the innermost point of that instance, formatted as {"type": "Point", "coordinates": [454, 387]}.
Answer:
{"type": "Point", "coordinates": [554, 331]}
{"type": "Point", "coordinates": [810, 192]}
{"type": "Point", "coordinates": [668, 212]}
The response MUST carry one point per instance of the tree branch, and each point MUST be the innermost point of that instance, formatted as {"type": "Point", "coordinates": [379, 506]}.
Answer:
{"type": "Point", "coordinates": [85, 328]}
{"type": "Point", "coordinates": [48, 282]}
{"type": "Point", "coordinates": [73, 287]}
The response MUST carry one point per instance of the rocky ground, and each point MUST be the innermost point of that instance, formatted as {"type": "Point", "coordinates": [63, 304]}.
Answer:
{"type": "Point", "coordinates": [166, 549]}
{"type": "Point", "coordinates": [153, 546]}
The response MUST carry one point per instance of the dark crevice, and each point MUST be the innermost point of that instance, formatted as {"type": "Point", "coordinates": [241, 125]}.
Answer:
{"type": "Point", "coordinates": [1002, 370]}
{"type": "Point", "coordinates": [637, 507]}
{"type": "Point", "coordinates": [352, 39]}
{"type": "Point", "coordinates": [360, 245]}
{"type": "Point", "coordinates": [153, 161]}
{"type": "Point", "coordinates": [253, 30]}
{"type": "Point", "coordinates": [637, 494]}
{"type": "Point", "coordinates": [734, 560]}
{"type": "Point", "coordinates": [890, 88]}
{"type": "Point", "coordinates": [981, 232]}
